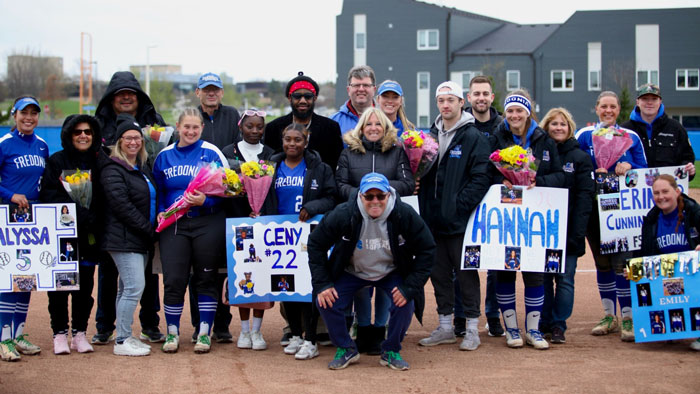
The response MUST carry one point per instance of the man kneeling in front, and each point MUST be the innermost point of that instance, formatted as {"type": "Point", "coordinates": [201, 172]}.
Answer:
{"type": "Point", "coordinates": [377, 241]}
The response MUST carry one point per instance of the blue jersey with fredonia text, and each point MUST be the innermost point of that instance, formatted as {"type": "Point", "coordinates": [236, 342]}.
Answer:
{"type": "Point", "coordinates": [669, 238]}
{"type": "Point", "coordinates": [289, 186]}
{"type": "Point", "coordinates": [175, 168]}
{"type": "Point", "coordinates": [22, 163]}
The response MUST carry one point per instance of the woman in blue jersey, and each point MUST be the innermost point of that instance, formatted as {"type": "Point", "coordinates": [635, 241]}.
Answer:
{"type": "Point", "coordinates": [22, 160]}
{"type": "Point", "coordinates": [672, 225]}
{"type": "Point", "coordinates": [612, 284]}
{"type": "Point", "coordinates": [197, 240]}
{"type": "Point", "coordinates": [303, 185]}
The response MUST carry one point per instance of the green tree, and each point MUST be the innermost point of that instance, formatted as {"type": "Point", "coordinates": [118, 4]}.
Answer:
{"type": "Point", "coordinates": [162, 95]}
{"type": "Point", "coordinates": [626, 105]}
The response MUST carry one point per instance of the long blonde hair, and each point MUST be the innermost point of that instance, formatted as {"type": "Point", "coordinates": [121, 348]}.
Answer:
{"type": "Point", "coordinates": [141, 157]}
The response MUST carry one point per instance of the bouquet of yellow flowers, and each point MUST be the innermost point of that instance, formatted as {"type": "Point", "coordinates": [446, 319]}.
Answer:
{"type": "Point", "coordinates": [156, 138]}
{"type": "Point", "coordinates": [421, 149]}
{"type": "Point", "coordinates": [515, 163]}
{"type": "Point", "coordinates": [233, 183]}
{"type": "Point", "coordinates": [78, 185]}
{"type": "Point", "coordinates": [257, 178]}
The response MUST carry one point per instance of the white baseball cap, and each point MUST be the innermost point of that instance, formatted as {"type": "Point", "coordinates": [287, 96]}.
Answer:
{"type": "Point", "coordinates": [455, 89]}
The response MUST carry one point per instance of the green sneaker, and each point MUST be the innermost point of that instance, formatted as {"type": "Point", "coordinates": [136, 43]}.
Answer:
{"type": "Point", "coordinates": [606, 325]}
{"type": "Point", "coordinates": [343, 358]}
{"type": "Point", "coordinates": [627, 331]}
{"type": "Point", "coordinates": [393, 360]}
{"type": "Point", "coordinates": [8, 352]}
{"type": "Point", "coordinates": [172, 343]}
{"type": "Point", "coordinates": [25, 347]}
{"type": "Point", "coordinates": [203, 344]}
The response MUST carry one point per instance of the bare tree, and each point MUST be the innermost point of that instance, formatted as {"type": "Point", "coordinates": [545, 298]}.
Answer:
{"type": "Point", "coordinates": [28, 71]}
{"type": "Point", "coordinates": [621, 74]}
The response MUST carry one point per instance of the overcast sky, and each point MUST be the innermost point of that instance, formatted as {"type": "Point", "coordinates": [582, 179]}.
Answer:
{"type": "Point", "coordinates": [249, 40]}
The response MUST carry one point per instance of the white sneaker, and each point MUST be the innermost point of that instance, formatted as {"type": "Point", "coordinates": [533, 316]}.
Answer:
{"type": "Point", "coordinates": [142, 345]}
{"type": "Point", "coordinates": [131, 347]}
{"type": "Point", "coordinates": [471, 340]}
{"type": "Point", "coordinates": [307, 351]}
{"type": "Point", "coordinates": [534, 339]}
{"type": "Point", "coordinates": [513, 338]}
{"type": "Point", "coordinates": [439, 336]}
{"type": "Point", "coordinates": [258, 340]}
{"type": "Point", "coordinates": [695, 345]}
{"type": "Point", "coordinates": [294, 345]}
{"type": "Point", "coordinates": [244, 341]}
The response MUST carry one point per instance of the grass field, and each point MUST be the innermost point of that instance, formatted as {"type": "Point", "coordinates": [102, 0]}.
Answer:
{"type": "Point", "coordinates": [695, 183]}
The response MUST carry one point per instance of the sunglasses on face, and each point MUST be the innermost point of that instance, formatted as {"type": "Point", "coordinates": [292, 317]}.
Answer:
{"type": "Point", "coordinates": [371, 196]}
{"type": "Point", "coordinates": [77, 132]}
{"type": "Point", "coordinates": [298, 96]}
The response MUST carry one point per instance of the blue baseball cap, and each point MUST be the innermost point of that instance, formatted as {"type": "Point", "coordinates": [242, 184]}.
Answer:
{"type": "Point", "coordinates": [390, 86]}
{"type": "Point", "coordinates": [23, 103]}
{"type": "Point", "coordinates": [209, 79]}
{"type": "Point", "coordinates": [374, 180]}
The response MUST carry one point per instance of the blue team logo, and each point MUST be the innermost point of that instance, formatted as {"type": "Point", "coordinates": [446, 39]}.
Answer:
{"type": "Point", "coordinates": [359, 244]}
{"type": "Point", "coordinates": [569, 167]}
{"type": "Point", "coordinates": [545, 155]}
{"type": "Point", "coordinates": [456, 152]}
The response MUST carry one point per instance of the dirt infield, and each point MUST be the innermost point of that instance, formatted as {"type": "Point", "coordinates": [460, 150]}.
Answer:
{"type": "Point", "coordinates": [584, 364]}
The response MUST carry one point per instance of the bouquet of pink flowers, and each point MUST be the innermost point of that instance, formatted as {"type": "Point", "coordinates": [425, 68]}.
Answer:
{"type": "Point", "coordinates": [609, 144]}
{"type": "Point", "coordinates": [421, 149]}
{"type": "Point", "coordinates": [257, 178]}
{"type": "Point", "coordinates": [515, 163]}
{"type": "Point", "coordinates": [210, 180]}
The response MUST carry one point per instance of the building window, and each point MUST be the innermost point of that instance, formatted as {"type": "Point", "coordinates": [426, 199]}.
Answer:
{"type": "Point", "coordinates": [423, 99]}
{"type": "Point", "coordinates": [647, 76]}
{"type": "Point", "coordinates": [428, 39]}
{"type": "Point", "coordinates": [423, 122]}
{"type": "Point", "coordinates": [423, 80]}
{"type": "Point", "coordinates": [595, 54]}
{"type": "Point", "coordinates": [687, 79]}
{"type": "Point", "coordinates": [594, 80]}
{"type": "Point", "coordinates": [512, 80]}
{"type": "Point", "coordinates": [562, 80]}
{"type": "Point", "coordinates": [360, 40]}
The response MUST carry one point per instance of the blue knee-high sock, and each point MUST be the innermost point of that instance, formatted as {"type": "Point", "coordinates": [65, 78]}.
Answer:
{"type": "Point", "coordinates": [534, 300]}
{"type": "Point", "coordinates": [505, 294]}
{"type": "Point", "coordinates": [7, 313]}
{"type": "Point", "coordinates": [623, 295]}
{"type": "Point", "coordinates": [172, 317]}
{"type": "Point", "coordinates": [20, 316]}
{"type": "Point", "coordinates": [606, 288]}
{"type": "Point", "coordinates": [207, 310]}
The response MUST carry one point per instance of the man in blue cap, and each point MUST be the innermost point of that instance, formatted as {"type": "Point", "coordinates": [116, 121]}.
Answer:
{"type": "Point", "coordinates": [220, 121]}
{"type": "Point", "coordinates": [377, 241]}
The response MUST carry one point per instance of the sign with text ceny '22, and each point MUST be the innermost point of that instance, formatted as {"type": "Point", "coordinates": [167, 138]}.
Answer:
{"type": "Point", "coordinates": [267, 258]}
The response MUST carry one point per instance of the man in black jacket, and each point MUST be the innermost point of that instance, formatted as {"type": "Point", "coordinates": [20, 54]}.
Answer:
{"type": "Point", "coordinates": [664, 139]}
{"type": "Point", "coordinates": [377, 241]}
{"type": "Point", "coordinates": [448, 194]}
{"type": "Point", "coordinates": [220, 121]}
{"type": "Point", "coordinates": [324, 133]}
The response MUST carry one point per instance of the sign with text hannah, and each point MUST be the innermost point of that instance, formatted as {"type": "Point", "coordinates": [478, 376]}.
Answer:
{"type": "Point", "coordinates": [623, 201]}
{"type": "Point", "coordinates": [518, 229]}
{"type": "Point", "coordinates": [38, 248]}
{"type": "Point", "coordinates": [267, 259]}
{"type": "Point", "coordinates": [665, 296]}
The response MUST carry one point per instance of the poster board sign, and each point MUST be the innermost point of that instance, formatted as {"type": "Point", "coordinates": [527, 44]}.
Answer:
{"type": "Point", "coordinates": [518, 229]}
{"type": "Point", "coordinates": [624, 200]}
{"type": "Point", "coordinates": [267, 258]}
{"type": "Point", "coordinates": [38, 248]}
{"type": "Point", "coordinates": [665, 296]}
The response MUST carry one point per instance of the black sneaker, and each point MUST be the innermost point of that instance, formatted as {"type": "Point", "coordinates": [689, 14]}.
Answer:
{"type": "Point", "coordinates": [285, 338]}
{"type": "Point", "coordinates": [323, 339]}
{"type": "Point", "coordinates": [495, 328]}
{"type": "Point", "coordinates": [152, 335]}
{"type": "Point", "coordinates": [102, 338]}
{"type": "Point", "coordinates": [194, 335]}
{"type": "Point", "coordinates": [558, 335]}
{"type": "Point", "coordinates": [460, 326]}
{"type": "Point", "coordinates": [222, 337]}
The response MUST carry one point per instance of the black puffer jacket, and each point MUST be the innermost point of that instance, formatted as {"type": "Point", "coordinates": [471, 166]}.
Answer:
{"type": "Point", "coordinates": [90, 220]}
{"type": "Point", "coordinates": [362, 157]}
{"type": "Point", "coordinates": [691, 223]}
{"type": "Point", "coordinates": [412, 247]}
{"type": "Point", "coordinates": [577, 177]}
{"type": "Point", "coordinates": [669, 145]}
{"type": "Point", "coordinates": [319, 192]}
{"type": "Point", "coordinates": [105, 114]}
{"type": "Point", "coordinates": [128, 207]}
{"type": "Point", "coordinates": [222, 128]}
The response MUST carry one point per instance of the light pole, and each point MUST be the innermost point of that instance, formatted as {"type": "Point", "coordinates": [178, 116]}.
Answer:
{"type": "Point", "coordinates": [148, 68]}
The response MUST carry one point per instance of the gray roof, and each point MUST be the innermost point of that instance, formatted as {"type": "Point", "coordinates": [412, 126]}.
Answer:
{"type": "Point", "coordinates": [510, 39]}
{"type": "Point", "coordinates": [456, 11]}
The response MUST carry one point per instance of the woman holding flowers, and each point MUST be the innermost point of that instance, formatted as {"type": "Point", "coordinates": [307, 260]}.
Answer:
{"type": "Point", "coordinates": [373, 147]}
{"type": "Point", "coordinates": [302, 185]}
{"type": "Point", "coordinates": [81, 140]}
{"type": "Point", "coordinates": [559, 303]}
{"type": "Point", "coordinates": [520, 128]}
{"type": "Point", "coordinates": [130, 215]}
{"type": "Point", "coordinates": [22, 160]}
{"type": "Point", "coordinates": [612, 284]}
{"type": "Point", "coordinates": [196, 241]}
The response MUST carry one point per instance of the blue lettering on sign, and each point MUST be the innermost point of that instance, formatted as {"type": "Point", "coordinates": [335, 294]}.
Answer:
{"type": "Point", "coordinates": [636, 199]}
{"type": "Point", "coordinates": [521, 225]}
{"type": "Point", "coordinates": [24, 236]}
{"type": "Point", "coordinates": [282, 236]}
{"type": "Point", "coordinates": [615, 223]}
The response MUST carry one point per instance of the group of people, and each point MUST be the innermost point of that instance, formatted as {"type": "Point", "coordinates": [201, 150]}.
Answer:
{"type": "Point", "coordinates": [352, 169]}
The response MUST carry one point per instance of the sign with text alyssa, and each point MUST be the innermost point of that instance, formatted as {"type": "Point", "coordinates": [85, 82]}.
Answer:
{"type": "Point", "coordinates": [665, 296]}
{"type": "Point", "coordinates": [518, 229]}
{"type": "Point", "coordinates": [267, 258]}
{"type": "Point", "coordinates": [623, 201]}
{"type": "Point", "coordinates": [38, 248]}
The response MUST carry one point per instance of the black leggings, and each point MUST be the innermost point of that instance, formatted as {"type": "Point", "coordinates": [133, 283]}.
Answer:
{"type": "Point", "coordinates": [81, 303]}
{"type": "Point", "coordinates": [302, 318]}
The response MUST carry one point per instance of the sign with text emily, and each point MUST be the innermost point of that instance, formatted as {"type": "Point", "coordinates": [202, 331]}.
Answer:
{"type": "Point", "coordinates": [518, 229]}
{"type": "Point", "coordinates": [665, 296]}
{"type": "Point", "coordinates": [624, 200]}
{"type": "Point", "coordinates": [267, 259]}
{"type": "Point", "coordinates": [38, 248]}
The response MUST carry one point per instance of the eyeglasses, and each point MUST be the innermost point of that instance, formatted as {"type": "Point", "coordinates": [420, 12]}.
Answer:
{"type": "Point", "coordinates": [298, 96]}
{"type": "Point", "coordinates": [361, 85]}
{"type": "Point", "coordinates": [137, 138]}
{"type": "Point", "coordinates": [378, 196]}
{"type": "Point", "coordinates": [77, 132]}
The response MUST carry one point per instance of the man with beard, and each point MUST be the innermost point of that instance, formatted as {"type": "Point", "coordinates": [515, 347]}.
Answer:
{"type": "Point", "coordinates": [220, 121]}
{"type": "Point", "coordinates": [324, 133]}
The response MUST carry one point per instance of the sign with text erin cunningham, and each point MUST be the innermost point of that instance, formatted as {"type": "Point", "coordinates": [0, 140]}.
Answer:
{"type": "Point", "coordinates": [518, 229]}
{"type": "Point", "coordinates": [267, 259]}
{"type": "Point", "coordinates": [624, 200]}
{"type": "Point", "coordinates": [38, 248]}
